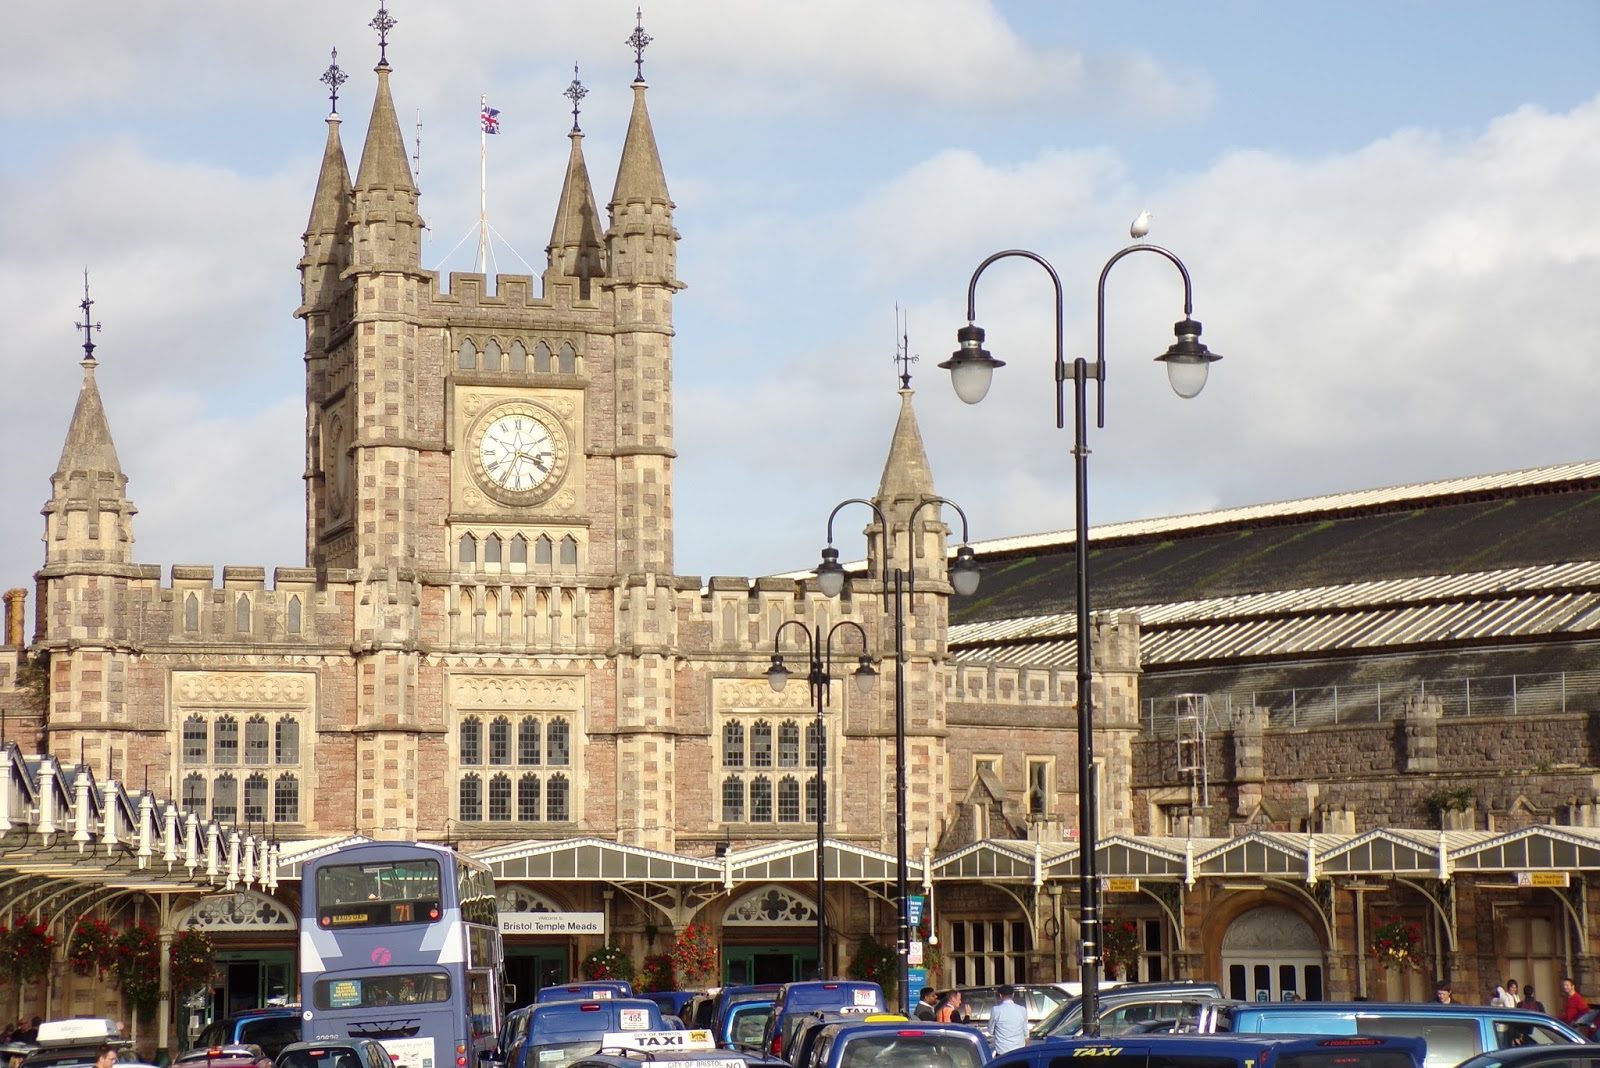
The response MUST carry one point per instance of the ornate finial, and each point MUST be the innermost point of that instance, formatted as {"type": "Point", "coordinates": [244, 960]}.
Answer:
{"type": "Point", "coordinates": [902, 349]}
{"type": "Point", "coordinates": [575, 93]}
{"type": "Point", "coordinates": [637, 41]}
{"type": "Point", "coordinates": [87, 326]}
{"type": "Point", "coordinates": [333, 77]}
{"type": "Point", "coordinates": [383, 22]}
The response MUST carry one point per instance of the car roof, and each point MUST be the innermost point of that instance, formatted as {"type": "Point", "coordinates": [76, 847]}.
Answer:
{"type": "Point", "coordinates": [1531, 1054]}
{"type": "Point", "coordinates": [1213, 1045]}
{"type": "Point", "coordinates": [1389, 1008]}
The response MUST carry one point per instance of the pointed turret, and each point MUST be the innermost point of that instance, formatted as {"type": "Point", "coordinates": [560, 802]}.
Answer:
{"type": "Point", "coordinates": [907, 481]}
{"type": "Point", "coordinates": [640, 178]}
{"type": "Point", "coordinates": [88, 517]}
{"type": "Point", "coordinates": [386, 226]}
{"type": "Point", "coordinates": [575, 250]}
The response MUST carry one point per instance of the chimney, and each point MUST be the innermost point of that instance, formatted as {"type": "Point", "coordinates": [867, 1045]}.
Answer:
{"type": "Point", "coordinates": [16, 610]}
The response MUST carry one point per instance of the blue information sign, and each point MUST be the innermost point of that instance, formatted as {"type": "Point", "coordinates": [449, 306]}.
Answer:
{"type": "Point", "coordinates": [916, 979]}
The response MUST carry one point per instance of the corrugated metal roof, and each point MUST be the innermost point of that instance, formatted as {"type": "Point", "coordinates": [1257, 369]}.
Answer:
{"type": "Point", "coordinates": [1513, 602]}
{"type": "Point", "coordinates": [1333, 502]}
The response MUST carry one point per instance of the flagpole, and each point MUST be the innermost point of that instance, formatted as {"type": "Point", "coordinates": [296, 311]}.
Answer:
{"type": "Point", "coordinates": [483, 186]}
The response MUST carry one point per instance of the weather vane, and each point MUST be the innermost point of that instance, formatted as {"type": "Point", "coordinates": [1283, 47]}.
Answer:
{"type": "Point", "coordinates": [88, 326]}
{"type": "Point", "coordinates": [575, 93]}
{"type": "Point", "coordinates": [637, 41]}
{"type": "Point", "coordinates": [383, 22]}
{"type": "Point", "coordinates": [334, 77]}
{"type": "Point", "coordinates": [902, 353]}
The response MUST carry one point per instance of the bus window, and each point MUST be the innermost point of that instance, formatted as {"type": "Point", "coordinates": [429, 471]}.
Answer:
{"type": "Point", "coordinates": [405, 988]}
{"type": "Point", "coordinates": [357, 895]}
{"type": "Point", "coordinates": [480, 1005]}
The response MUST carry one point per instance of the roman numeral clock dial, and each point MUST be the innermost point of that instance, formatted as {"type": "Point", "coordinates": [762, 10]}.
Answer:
{"type": "Point", "coordinates": [519, 453]}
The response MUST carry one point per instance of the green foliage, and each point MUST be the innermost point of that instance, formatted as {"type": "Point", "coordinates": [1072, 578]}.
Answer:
{"type": "Point", "coordinates": [137, 966]}
{"type": "Point", "coordinates": [1447, 799]}
{"type": "Point", "coordinates": [1120, 945]}
{"type": "Point", "coordinates": [877, 963]}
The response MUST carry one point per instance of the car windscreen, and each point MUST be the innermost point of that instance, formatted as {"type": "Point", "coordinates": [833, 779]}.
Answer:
{"type": "Point", "coordinates": [910, 1049]}
{"type": "Point", "coordinates": [747, 1023]}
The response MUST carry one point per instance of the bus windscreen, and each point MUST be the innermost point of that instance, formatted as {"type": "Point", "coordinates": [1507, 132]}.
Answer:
{"type": "Point", "coordinates": [362, 895]}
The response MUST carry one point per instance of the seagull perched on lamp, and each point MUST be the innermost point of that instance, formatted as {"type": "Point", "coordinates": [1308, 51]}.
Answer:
{"type": "Point", "coordinates": [1140, 227]}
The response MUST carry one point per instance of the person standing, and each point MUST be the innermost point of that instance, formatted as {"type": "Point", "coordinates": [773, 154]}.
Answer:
{"type": "Point", "coordinates": [1574, 1004]}
{"type": "Point", "coordinates": [1529, 1002]}
{"type": "Point", "coordinates": [1441, 992]}
{"type": "Point", "coordinates": [106, 1057]}
{"type": "Point", "coordinates": [927, 1002]}
{"type": "Point", "coordinates": [1008, 1022]}
{"type": "Point", "coordinates": [949, 1009]}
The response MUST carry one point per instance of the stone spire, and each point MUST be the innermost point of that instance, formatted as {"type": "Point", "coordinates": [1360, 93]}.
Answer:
{"type": "Point", "coordinates": [325, 244]}
{"type": "Point", "coordinates": [89, 517]}
{"type": "Point", "coordinates": [907, 481]}
{"type": "Point", "coordinates": [640, 179]}
{"type": "Point", "coordinates": [575, 249]}
{"type": "Point", "coordinates": [386, 225]}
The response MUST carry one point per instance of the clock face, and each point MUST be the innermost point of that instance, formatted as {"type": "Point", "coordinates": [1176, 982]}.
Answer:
{"type": "Point", "coordinates": [519, 451]}
{"type": "Point", "coordinates": [338, 466]}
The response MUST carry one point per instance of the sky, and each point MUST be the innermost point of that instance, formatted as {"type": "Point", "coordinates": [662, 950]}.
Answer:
{"type": "Point", "coordinates": [1387, 209]}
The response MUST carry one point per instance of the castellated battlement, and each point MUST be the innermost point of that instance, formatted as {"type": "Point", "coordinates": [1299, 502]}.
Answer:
{"type": "Point", "coordinates": [975, 679]}
{"type": "Point", "coordinates": [469, 289]}
{"type": "Point", "coordinates": [302, 605]}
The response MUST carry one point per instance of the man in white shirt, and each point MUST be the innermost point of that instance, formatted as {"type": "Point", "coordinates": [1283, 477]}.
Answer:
{"type": "Point", "coordinates": [1008, 1022]}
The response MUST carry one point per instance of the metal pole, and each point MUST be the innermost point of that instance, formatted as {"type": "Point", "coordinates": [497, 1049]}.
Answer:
{"type": "Point", "coordinates": [1089, 914]}
{"type": "Point", "coordinates": [904, 955]}
{"type": "Point", "coordinates": [818, 681]}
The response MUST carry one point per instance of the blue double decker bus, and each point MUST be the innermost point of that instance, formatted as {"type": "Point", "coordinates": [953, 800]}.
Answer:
{"type": "Point", "coordinates": [400, 942]}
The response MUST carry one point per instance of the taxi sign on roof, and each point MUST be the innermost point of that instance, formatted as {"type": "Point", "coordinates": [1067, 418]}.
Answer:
{"type": "Point", "coordinates": [658, 1040]}
{"type": "Point", "coordinates": [85, 1029]}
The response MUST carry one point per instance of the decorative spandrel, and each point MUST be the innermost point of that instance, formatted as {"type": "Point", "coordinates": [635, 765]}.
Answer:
{"type": "Point", "coordinates": [770, 906]}
{"type": "Point", "coordinates": [244, 911]}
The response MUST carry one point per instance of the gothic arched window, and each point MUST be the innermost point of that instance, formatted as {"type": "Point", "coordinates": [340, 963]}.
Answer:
{"type": "Point", "coordinates": [733, 744]}
{"type": "Point", "coordinates": [541, 550]}
{"type": "Point", "coordinates": [288, 740]}
{"type": "Point", "coordinates": [471, 798]}
{"type": "Point", "coordinates": [194, 794]}
{"type": "Point", "coordinates": [789, 744]}
{"type": "Point", "coordinates": [519, 357]}
{"type": "Point", "coordinates": [528, 798]}
{"type": "Point", "coordinates": [541, 357]}
{"type": "Point", "coordinates": [528, 740]}
{"type": "Point", "coordinates": [761, 799]}
{"type": "Point", "coordinates": [241, 614]}
{"type": "Point", "coordinates": [733, 799]}
{"type": "Point", "coordinates": [555, 799]}
{"type": "Point", "coordinates": [500, 798]}
{"type": "Point", "coordinates": [788, 800]}
{"type": "Point", "coordinates": [191, 612]}
{"type": "Point", "coordinates": [519, 549]}
{"type": "Point", "coordinates": [468, 550]}
{"type": "Point", "coordinates": [491, 355]}
{"type": "Point", "coordinates": [225, 799]}
{"type": "Point", "coordinates": [286, 799]}
{"type": "Point", "coordinates": [196, 736]}
{"type": "Point", "coordinates": [225, 741]}
{"type": "Point", "coordinates": [293, 624]}
{"type": "Point", "coordinates": [557, 751]}
{"type": "Point", "coordinates": [257, 740]}
{"type": "Point", "coordinates": [568, 360]}
{"type": "Point", "coordinates": [569, 550]}
{"type": "Point", "coordinates": [467, 356]}
{"type": "Point", "coordinates": [500, 740]}
{"type": "Point", "coordinates": [255, 798]}
{"type": "Point", "coordinates": [471, 741]}
{"type": "Point", "coordinates": [491, 549]}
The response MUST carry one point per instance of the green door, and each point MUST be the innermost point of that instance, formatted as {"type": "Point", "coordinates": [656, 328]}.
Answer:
{"type": "Point", "coordinates": [530, 967]}
{"type": "Point", "coordinates": [767, 964]}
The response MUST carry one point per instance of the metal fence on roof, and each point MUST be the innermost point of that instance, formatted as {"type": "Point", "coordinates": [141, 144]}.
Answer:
{"type": "Point", "coordinates": [1382, 701]}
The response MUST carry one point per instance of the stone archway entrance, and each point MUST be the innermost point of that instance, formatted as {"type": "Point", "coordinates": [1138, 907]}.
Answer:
{"type": "Point", "coordinates": [769, 936]}
{"type": "Point", "coordinates": [1271, 954]}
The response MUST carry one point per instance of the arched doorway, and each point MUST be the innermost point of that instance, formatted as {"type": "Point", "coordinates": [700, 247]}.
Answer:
{"type": "Point", "coordinates": [769, 936]}
{"type": "Point", "coordinates": [1271, 954]}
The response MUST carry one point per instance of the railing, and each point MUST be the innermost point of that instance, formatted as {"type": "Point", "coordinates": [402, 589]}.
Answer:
{"type": "Point", "coordinates": [1377, 702]}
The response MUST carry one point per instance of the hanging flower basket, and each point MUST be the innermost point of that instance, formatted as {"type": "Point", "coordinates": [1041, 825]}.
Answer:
{"type": "Point", "coordinates": [1397, 943]}
{"type": "Point", "coordinates": [92, 950]}
{"type": "Point", "coordinates": [138, 969]}
{"type": "Point", "coordinates": [1119, 944]}
{"type": "Point", "coordinates": [694, 956]}
{"type": "Point", "coordinates": [608, 963]}
{"type": "Point", "coordinates": [26, 946]}
{"type": "Point", "coordinates": [192, 961]}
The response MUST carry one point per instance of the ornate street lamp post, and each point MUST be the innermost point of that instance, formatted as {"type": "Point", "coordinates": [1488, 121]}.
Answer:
{"type": "Point", "coordinates": [819, 655]}
{"type": "Point", "coordinates": [964, 580]}
{"type": "Point", "coordinates": [971, 369]}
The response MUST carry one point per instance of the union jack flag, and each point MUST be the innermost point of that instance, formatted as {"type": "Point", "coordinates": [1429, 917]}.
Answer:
{"type": "Point", "coordinates": [491, 119]}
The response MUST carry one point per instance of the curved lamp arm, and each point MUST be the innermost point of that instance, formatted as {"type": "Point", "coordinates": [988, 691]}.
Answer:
{"type": "Point", "coordinates": [830, 573]}
{"type": "Point", "coordinates": [972, 334]}
{"type": "Point", "coordinates": [1100, 321]}
{"type": "Point", "coordinates": [964, 571]}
